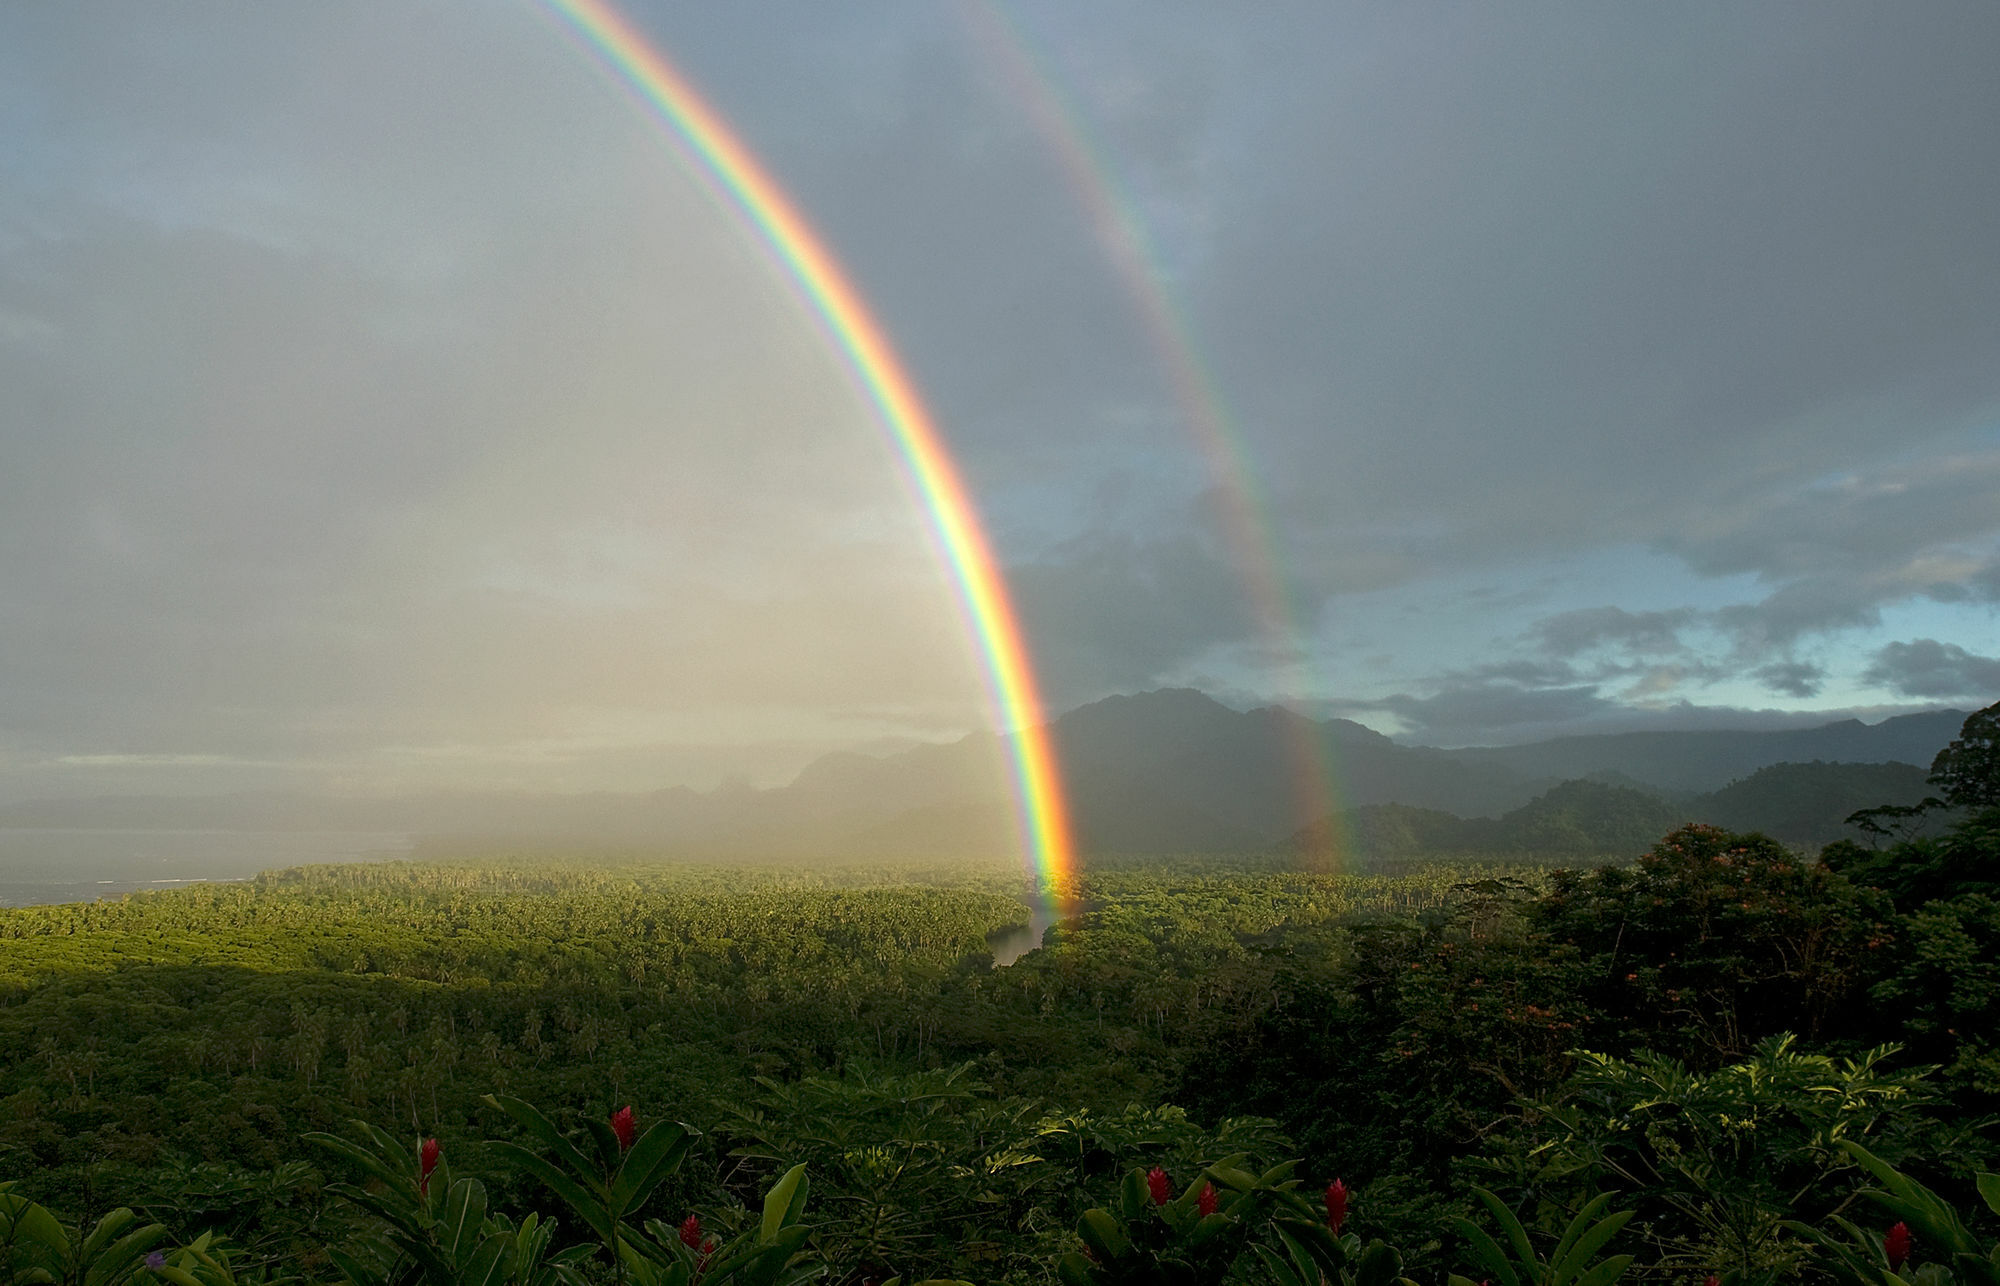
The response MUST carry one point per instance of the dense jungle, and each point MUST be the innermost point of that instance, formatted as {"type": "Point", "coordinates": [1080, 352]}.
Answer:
{"type": "Point", "coordinates": [1721, 1059]}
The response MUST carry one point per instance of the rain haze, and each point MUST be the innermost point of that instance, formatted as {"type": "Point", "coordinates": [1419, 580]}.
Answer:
{"type": "Point", "coordinates": [388, 401]}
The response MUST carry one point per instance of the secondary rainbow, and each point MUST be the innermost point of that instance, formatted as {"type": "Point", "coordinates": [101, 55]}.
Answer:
{"type": "Point", "coordinates": [1243, 510]}
{"type": "Point", "coordinates": [734, 175]}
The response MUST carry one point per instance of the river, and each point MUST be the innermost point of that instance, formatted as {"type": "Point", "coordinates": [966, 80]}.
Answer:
{"type": "Point", "coordinates": [1010, 945]}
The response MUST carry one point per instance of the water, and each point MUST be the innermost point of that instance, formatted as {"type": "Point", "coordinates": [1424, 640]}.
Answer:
{"type": "Point", "coordinates": [1010, 945]}
{"type": "Point", "coordinates": [43, 866]}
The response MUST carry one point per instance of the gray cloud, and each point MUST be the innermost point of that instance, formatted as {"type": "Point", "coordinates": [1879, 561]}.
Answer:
{"type": "Point", "coordinates": [1482, 713]}
{"type": "Point", "coordinates": [393, 397]}
{"type": "Point", "coordinates": [1795, 678]}
{"type": "Point", "coordinates": [1585, 629]}
{"type": "Point", "coordinates": [1928, 668]}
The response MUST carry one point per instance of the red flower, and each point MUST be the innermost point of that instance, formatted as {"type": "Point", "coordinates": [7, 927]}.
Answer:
{"type": "Point", "coordinates": [1160, 1186]}
{"type": "Point", "coordinates": [1711, 1280]}
{"type": "Point", "coordinates": [621, 1125]}
{"type": "Point", "coordinates": [691, 1233]}
{"type": "Point", "coordinates": [427, 1160]}
{"type": "Point", "coordinates": [1896, 1245]}
{"type": "Point", "coordinates": [1207, 1201]}
{"type": "Point", "coordinates": [1336, 1205]}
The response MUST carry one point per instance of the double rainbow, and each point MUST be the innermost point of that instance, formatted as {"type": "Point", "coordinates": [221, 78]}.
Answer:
{"type": "Point", "coordinates": [742, 184]}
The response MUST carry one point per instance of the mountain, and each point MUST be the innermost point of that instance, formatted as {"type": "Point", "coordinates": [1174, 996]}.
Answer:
{"type": "Point", "coordinates": [1802, 804]}
{"type": "Point", "coordinates": [1808, 804]}
{"type": "Point", "coordinates": [1706, 761]}
{"type": "Point", "coordinates": [1166, 771]}
{"type": "Point", "coordinates": [1581, 817]}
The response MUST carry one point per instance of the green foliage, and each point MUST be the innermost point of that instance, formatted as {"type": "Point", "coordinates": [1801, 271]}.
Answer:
{"type": "Point", "coordinates": [1964, 859]}
{"type": "Point", "coordinates": [1938, 1233]}
{"type": "Point", "coordinates": [39, 1249]}
{"type": "Point", "coordinates": [1967, 771]}
{"type": "Point", "coordinates": [1717, 1163]}
{"type": "Point", "coordinates": [958, 1121]}
{"type": "Point", "coordinates": [1154, 1238]}
{"type": "Point", "coordinates": [1714, 941]}
{"type": "Point", "coordinates": [430, 1228]}
{"type": "Point", "coordinates": [1573, 1261]}
{"type": "Point", "coordinates": [604, 1183]}
{"type": "Point", "coordinates": [1810, 803]}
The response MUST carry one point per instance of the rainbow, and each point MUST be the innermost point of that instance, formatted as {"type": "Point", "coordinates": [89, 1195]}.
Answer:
{"type": "Point", "coordinates": [734, 175]}
{"type": "Point", "coordinates": [1123, 235]}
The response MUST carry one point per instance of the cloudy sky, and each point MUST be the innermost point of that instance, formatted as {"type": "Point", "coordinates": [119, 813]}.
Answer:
{"type": "Point", "coordinates": [386, 403]}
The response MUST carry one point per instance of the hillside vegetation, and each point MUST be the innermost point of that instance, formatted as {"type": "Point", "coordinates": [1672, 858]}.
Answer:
{"type": "Point", "coordinates": [1215, 1070]}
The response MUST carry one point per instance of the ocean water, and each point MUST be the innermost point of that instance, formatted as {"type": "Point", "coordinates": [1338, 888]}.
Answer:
{"type": "Point", "coordinates": [43, 866]}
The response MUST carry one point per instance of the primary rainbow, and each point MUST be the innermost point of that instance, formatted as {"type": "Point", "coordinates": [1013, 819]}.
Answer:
{"type": "Point", "coordinates": [744, 186]}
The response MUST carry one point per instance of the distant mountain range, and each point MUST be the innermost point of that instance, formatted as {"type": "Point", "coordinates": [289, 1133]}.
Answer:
{"type": "Point", "coordinates": [1166, 771]}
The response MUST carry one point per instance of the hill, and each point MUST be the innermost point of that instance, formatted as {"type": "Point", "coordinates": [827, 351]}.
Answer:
{"type": "Point", "coordinates": [1166, 771]}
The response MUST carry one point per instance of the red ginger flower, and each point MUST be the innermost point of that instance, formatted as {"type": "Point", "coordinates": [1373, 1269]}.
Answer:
{"type": "Point", "coordinates": [621, 1125]}
{"type": "Point", "coordinates": [1207, 1201]}
{"type": "Point", "coordinates": [1160, 1186]}
{"type": "Point", "coordinates": [427, 1160]}
{"type": "Point", "coordinates": [1896, 1245]}
{"type": "Point", "coordinates": [1336, 1205]}
{"type": "Point", "coordinates": [691, 1233]}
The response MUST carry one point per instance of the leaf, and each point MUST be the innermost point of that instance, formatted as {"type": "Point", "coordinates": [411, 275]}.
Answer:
{"type": "Point", "coordinates": [355, 1270]}
{"type": "Point", "coordinates": [529, 1118]}
{"type": "Point", "coordinates": [785, 1204]}
{"type": "Point", "coordinates": [586, 1204]}
{"type": "Point", "coordinates": [1280, 1272]}
{"type": "Point", "coordinates": [1524, 1250]}
{"type": "Point", "coordinates": [1587, 1246]}
{"type": "Point", "coordinates": [1606, 1272]}
{"type": "Point", "coordinates": [1380, 1265]}
{"type": "Point", "coordinates": [1488, 1251]}
{"type": "Point", "coordinates": [1582, 1220]}
{"type": "Point", "coordinates": [657, 1154]}
{"type": "Point", "coordinates": [464, 1217]}
{"type": "Point", "coordinates": [1103, 1234]}
{"type": "Point", "coordinates": [488, 1264]}
{"type": "Point", "coordinates": [1075, 1270]}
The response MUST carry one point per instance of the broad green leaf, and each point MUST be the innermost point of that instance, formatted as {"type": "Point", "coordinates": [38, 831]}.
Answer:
{"type": "Point", "coordinates": [1517, 1236]}
{"type": "Point", "coordinates": [1488, 1252]}
{"type": "Point", "coordinates": [785, 1204]}
{"type": "Point", "coordinates": [530, 1119]}
{"type": "Point", "coordinates": [1103, 1234]}
{"type": "Point", "coordinates": [657, 1154]}
{"type": "Point", "coordinates": [1605, 1273]}
{"type": "Point", "coordinates": [1586, 1247]}
{"type": "Point", "coordinates": [1590, 1211]}
{"type": "Point", "coordinates": [587, 1205]}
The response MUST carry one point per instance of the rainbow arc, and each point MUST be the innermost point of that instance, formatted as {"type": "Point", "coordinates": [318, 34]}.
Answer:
{"type": "Point", "coordinates": [736, 177]}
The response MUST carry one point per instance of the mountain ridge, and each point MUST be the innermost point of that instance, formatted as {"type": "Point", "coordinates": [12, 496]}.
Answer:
{"type": "Point", "coordinates": [1168, 770]}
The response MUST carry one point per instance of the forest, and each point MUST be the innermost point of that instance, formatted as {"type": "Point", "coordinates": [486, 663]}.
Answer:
{"type": "Point", "coordinates": [1721, 1059]}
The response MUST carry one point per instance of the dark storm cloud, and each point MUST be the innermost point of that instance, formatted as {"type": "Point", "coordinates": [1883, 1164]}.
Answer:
{"type": "Point", "coordinates": [1634, 275]}
{"type": "Point", "coordinates": [1106, 608]}
{"type": "Point", "coordinates": [1719, 282]}
{"type": "Point", "coordinates": [362, 388]}
{"type": "Point", "coordinates": [1928, 668]}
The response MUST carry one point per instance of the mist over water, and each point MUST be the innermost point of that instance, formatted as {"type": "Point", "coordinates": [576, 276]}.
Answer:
{"type": "Point", "coordinates": [39, 866]}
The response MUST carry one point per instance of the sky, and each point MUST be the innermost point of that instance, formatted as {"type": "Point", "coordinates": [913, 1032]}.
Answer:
{"type": "Point", "coordinates": [388, 403]}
